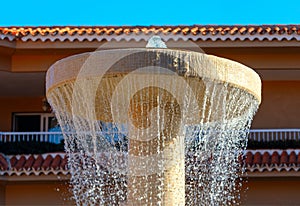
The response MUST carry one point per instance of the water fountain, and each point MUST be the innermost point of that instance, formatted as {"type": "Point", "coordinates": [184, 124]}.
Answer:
{"type": "Point", "coordinates": [153, 126]}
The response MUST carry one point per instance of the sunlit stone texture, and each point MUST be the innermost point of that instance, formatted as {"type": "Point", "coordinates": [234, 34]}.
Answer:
{"type": "Point", "coordinates": [154, 126]}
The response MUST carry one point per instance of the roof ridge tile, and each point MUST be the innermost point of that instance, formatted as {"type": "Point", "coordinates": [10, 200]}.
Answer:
{"type": "Point", "coordinates": [234, 32]}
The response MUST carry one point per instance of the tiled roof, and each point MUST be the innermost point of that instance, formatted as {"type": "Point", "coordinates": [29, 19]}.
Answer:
{"type": "Point", "coordinates": [272, 160]}
{"type": "Point", "coordinates": [56, 163]}
{"type": "Point", "coordinates": [138, 33]}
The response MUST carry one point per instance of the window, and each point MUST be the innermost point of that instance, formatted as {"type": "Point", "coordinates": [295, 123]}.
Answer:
{"type": "Point", "coordinates": [33, 122]}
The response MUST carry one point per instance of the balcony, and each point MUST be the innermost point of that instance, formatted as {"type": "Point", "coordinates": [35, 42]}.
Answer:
{"type": "Point", "coordinates": [53, 141]}
{"type": "Point", "coordinates": [51, 137]}
{"type": "Point", "coordinates": [13, 143]}
{"type": "Point", "coordinates": [273, 135]}
{"type": "Point", "coordinates": [259, 135]}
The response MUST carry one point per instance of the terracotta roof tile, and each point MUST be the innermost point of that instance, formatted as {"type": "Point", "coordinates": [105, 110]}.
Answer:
{"type": "Point", "coordinates": [38, 162]}
{"type": "Point", "coordinates": [255, 160]}
{"type": "Point", "coordinates": [3, 162]}
{"type": "Point", "coordinates": [29, 162]}
{"type": "Point", "coordinates": [56, 162]}
{"type": "Point", "coordinates": [21, 162]}
{"type": "Point", "coordinates": [47, 162]}
{"type": "Point", "coordinates": [284, 158]}
{"type": "Point", "coordinates": [266, 158]}
{"type": "Point", "coordinates": [34, 164]}
{"type": "Point", "coordinates": [13, 161]}
{"type": "Point", "coordinates": [64, 162]}
{"type": "Point", "coordinates": [195, 32]}
{"type": "Point", "coordinates": [293, 158]}
{"type": "Point", "coordinates": [249, 157]}
{"type": "Point", "coordinates": [275, 158]}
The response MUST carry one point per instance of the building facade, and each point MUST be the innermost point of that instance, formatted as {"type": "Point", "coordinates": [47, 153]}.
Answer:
{"type": "Point", "coordinates": [272, 160]}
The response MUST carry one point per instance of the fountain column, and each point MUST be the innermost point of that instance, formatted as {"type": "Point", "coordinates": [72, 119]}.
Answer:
{"type": "Point", "coordinates": [156, 154]}
{"type": "Point", "coordinates": [163, 188]}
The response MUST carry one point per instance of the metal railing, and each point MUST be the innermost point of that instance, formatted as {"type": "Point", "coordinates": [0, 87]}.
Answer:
{"type": "Point", "coordinates": [269, 135]}
{"type": "Point", "coordinates": [53, 137]}
{"type": "Point", "coordinates": [260, 135]}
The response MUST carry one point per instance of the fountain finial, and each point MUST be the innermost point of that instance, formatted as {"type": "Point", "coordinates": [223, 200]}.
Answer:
{"type": "Point", "coordinates": [156, 42]}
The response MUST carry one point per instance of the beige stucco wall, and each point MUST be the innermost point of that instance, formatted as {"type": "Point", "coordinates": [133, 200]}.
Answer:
{"type": "Point", "coordinates": [279, 109]}
{"type": "Point", "coordinates": [280, 100]}
{"type": "Point", "coordinates": [280, 106]}
{"type": "Point", "coordinates": [39, 60]}
{"type": "Point", "coordinates": [261, 191]}
{"type": "Point", "coordinates": [272, 191]}
{"type": "Point", "coordinates": [2, 193]}
{"type": "Point", "coordinates": [37, 193]}
{"type": "Point", "coordinates": [9, 105]}
{"type": "Point", "coordinates": [33, 62]}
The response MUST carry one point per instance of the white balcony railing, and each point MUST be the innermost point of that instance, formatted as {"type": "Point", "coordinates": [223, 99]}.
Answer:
{"type": "Point", "coordinates": [269, 135]}
{"type": "Point", "coordinates": [54, 137]}
{"type": "Point", "coordinates": [260, 135]}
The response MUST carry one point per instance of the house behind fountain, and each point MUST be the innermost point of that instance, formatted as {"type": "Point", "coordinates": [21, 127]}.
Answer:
{"type": "Point", "coordinates": [33, 166]}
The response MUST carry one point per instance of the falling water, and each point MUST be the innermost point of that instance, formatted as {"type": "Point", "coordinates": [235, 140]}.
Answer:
{"type": "Point", "coordinates": [152, 131]}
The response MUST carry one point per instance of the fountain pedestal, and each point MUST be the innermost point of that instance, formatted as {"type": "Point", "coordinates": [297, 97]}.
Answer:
{"type": "Point", "coordinates": [160, 176]}
{"type": "Point", "coordinates": [186, 114]}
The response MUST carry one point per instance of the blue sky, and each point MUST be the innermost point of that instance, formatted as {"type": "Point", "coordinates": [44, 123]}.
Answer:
{"type": "Point", "coordinates": [143, 12]}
